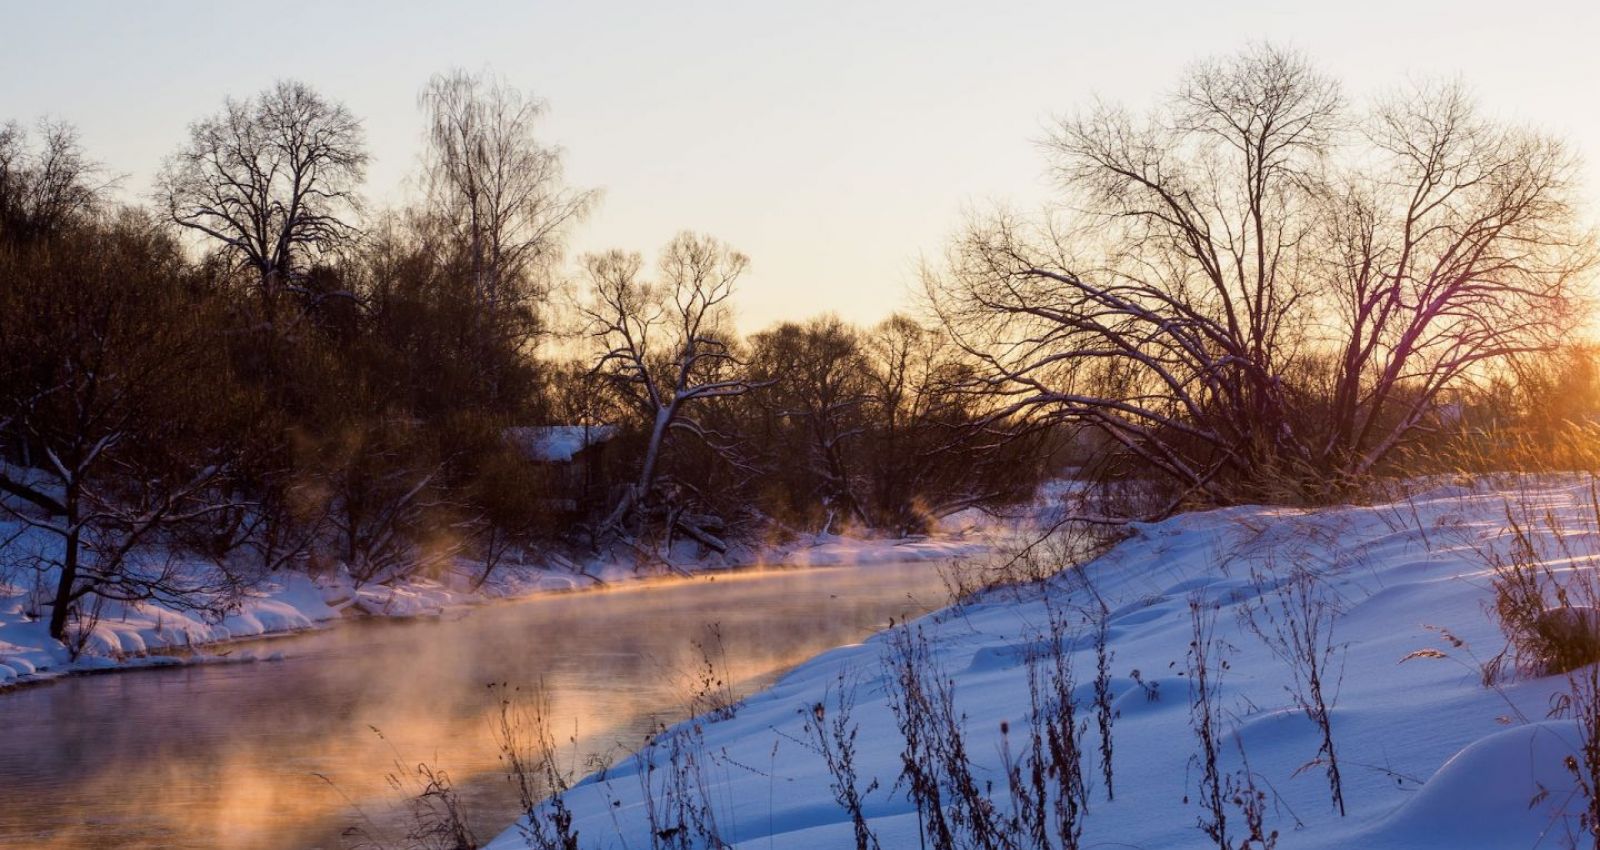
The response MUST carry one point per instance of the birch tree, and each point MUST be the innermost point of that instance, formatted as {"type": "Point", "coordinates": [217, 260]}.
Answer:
{"type": "Point", "coordinates": [495, 186]}
{"type": "Point", "coordinates": [497, 196]}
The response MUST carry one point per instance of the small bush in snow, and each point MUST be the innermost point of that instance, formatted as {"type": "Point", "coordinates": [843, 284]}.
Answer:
{"type": "Point", "coordinates": [1219, 793]}
{"type": "Point", "coordinates": [713, 694]}
{"type": "Point", "coordinates": [676, 791]}
{"type": "Point", "coordinates": [1049, 795]}
{"type": "Point", "coordinates": [1205, 717]}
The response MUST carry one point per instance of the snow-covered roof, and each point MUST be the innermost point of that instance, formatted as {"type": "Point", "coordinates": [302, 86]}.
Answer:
{"type": "Point", "coordinates": [557, 443]}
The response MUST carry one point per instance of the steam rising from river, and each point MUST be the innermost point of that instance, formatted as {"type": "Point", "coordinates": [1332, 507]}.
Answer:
{"type": "Point", "coordinates": [275, 755]}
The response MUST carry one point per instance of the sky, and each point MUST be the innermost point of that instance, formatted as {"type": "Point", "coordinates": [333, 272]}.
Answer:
{"type": "Point", "coordinates": [836, 143]}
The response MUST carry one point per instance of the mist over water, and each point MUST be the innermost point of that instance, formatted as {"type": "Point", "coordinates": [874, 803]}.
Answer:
{"type": "Point", "coordinates": [285, 754]}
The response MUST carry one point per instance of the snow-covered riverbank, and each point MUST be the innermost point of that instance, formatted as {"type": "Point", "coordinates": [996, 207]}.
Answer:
{"type": "Point", "coordinates": [138, 635]}
{"type": "Point", "coordinates": [1430, 757]}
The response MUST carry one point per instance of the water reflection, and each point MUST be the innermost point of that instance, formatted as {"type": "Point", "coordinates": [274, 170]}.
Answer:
{"type": "Point", "coordinates": [284, 754]}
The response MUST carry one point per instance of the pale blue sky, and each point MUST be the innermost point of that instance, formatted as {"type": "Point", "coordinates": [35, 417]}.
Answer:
{"type": "Point", "coordinates": [834, 142]}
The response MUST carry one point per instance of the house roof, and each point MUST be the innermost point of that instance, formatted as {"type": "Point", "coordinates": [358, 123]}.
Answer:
{"type": "Point", "coordinates": [557, 443]}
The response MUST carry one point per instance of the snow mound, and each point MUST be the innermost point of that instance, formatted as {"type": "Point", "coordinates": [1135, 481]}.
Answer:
{"type": "Point", "coordinates": [1508, 789]}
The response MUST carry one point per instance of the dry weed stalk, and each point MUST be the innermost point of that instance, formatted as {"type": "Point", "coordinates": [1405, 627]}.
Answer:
{"type": "Point", "coordinates": [835, 741]}
{"type": "Point", "coordinates": [1296, 624]}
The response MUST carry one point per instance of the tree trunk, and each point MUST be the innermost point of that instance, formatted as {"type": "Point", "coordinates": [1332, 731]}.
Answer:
{"type": "Point", "coordinates": [69, 571]}
{"type": "Point", "coordinates": [658, 435]}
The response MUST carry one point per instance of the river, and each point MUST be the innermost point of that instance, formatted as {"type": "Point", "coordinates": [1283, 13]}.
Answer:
{"type": "Point", "coordinates": [295, 753]}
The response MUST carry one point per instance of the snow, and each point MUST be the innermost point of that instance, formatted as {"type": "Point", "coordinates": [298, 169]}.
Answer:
{"type": "Point", "coordinates": [1480, 797]}
{"type": "Point", "coordinates": [832, 550]}
{"type": "Point", "coordinates": [557, 443]}
{"type": "Point", "coordinates": [1430, 757]}
{"type": "Point", "coordinates": [136, 635]}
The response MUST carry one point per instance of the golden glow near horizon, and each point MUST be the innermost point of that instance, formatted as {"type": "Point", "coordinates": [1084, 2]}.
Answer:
{"type": "Point", "coordinates": [835, 143]}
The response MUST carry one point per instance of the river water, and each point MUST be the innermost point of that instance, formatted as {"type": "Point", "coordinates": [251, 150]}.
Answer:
{"type": "Point", "coordinates": [296, 753]}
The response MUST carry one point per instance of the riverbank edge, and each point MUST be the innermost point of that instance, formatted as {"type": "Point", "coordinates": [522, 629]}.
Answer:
{"type": "Point", "coordinates": [419, 598]}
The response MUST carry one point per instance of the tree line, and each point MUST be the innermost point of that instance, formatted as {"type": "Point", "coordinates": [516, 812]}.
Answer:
{"type": "Point", "coordinates": [256, 371]}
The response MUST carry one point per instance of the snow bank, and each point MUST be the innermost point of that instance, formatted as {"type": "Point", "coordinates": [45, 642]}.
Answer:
{"type": "Point", "coordinates": [1430, 757]}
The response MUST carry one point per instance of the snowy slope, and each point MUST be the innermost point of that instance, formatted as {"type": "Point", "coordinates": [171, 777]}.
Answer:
{"type": "Point", "coordinates": [1431, 758]}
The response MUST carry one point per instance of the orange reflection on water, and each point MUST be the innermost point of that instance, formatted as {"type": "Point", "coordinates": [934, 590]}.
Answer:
{"type": "Point", "coordinates": [276, 755]}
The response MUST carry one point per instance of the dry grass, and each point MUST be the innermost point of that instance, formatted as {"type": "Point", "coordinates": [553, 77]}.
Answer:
{"type": "Point", "coordinates": [1024, 564]}
{"type": "Point", "coordinates": [1295, 621]}
{"type": "Point", "coordinates": [1547, 601]}
{"type": "Point", "coordinates": [1546, 591]}
{"type": "Point", "coordinates": [1045, 794]}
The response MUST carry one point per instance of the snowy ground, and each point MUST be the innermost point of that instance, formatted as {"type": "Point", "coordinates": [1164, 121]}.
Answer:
{"type": "Point", "coordinates": [1431, 758]}
{"type": "Point", "coordinates": [151, 634]}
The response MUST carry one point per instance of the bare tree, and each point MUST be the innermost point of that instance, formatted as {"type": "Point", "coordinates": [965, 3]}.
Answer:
{"type": "Point", "coordinates": [1251, 292]}
{"type": "Point", "coordinates": [497, 205]}
{"type": "Point", "coordinates": [666, 347]}
{"type": "Point", "coordinates": [1462, 251]}
{"type": "Point", "coordinates": [931, 450]}
{"type": "Point", "coordinates": [273, 180]}
{"type": "Point", "coordinates": [383, 518]}
{"type": "Point", "coordinates": [823, 385]}
{"type": "Point", "coordinates": [496, 189]}
{"type": "Point", "coordinates": [43, 188]}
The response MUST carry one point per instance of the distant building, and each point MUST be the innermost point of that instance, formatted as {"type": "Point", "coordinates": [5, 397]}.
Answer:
{"type": "Point", "coordinates": [576, 455]}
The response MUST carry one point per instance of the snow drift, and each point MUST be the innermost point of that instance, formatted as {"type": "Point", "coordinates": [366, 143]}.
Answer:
{"type": "Point", "coordinates": [1431, 758]}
